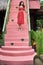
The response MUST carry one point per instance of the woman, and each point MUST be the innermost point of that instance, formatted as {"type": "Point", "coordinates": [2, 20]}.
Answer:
{"type": "Point", "coordinates": [21, 14]}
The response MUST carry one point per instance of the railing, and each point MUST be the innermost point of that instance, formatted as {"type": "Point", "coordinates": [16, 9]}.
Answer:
{"type": "Point", "coordinates": [28, 19]}
{"type": "Point", "coordinates": [6, 16]}
{"type": "Point", "coordinates": [34, 0]}
{"type": "Point", "coordinates": [28, 15]}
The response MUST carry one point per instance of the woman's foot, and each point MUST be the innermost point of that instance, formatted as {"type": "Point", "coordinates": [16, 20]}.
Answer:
{"type": "Point", "coordinates": [20, 29]}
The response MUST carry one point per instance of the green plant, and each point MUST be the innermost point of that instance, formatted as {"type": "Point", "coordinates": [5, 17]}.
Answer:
{"type": "Point", "coordinates": [40, 23]}
{"type": "Point", "coordinates": [2, 40]}
{"type": "Point", "coordinates": [41, 3]}
{"type": "Point", "coordinates": [38, 37]}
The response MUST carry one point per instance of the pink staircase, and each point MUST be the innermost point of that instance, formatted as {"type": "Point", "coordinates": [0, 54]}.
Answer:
{"type": "Point", "coordinates": [16, 50]}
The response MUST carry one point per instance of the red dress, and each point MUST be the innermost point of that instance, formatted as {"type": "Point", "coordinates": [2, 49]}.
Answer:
{"type": "Point", "coordinates": [21, 16]}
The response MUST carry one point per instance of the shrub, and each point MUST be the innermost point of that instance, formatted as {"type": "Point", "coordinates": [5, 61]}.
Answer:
{"type": "Point", "coordinates": [38, 37]}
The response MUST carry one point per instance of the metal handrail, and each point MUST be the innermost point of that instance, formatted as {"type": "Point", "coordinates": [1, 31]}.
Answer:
{"type": "Point", "coordinates": [6, 16]}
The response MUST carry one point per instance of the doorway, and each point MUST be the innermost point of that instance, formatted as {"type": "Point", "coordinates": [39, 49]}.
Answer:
{"type": "Point", "coordinates": [2, 16]}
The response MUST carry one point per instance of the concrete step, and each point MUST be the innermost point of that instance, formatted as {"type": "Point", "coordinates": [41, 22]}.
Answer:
{"type": "Point", "coordinates": [21, 35]}
{"type": "Point", "coordinates": [25, 14]}
{"type": "Point", "coordinates": [16, 48]}
{"type": "Point", "coordinates": [17, 3]}
{"type": "Point", "coordinates": [17, 53]}
{"type": "Point", "coordinates": [13, 21]}
{"type": "Point", "coordinates": [16, 30]}
{"type": "Point", "coordinates": [20, 60]}
{"type": "Point", "coordinates": [13, 11]}
{"type": "Point", "coordinates": [13, 27]}
{"type": "Point", "coordinates": [17, 37]}
{"type": "Point", "coordinates": [16, 43]}
{"type": "Point", "coordinates": [11, 40]}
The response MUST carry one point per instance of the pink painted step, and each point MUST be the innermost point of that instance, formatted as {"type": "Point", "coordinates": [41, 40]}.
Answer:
{"type": "Point", "coordinates": [14, 39]}
{"type": "Point", "coordinates": [17, 2]}
{"type": "Point", "coordinates": [17, 37]}
{"type": "Point", "coordinates": [20, 60]}
{"type": "Point", "coordinates": [17, 53]}
{"type": "Point", "coordinates": [16, 14]}
{"type": "Point", "coordinates": [11, 40]}
{"type": "Point", "coordinates": [17, 30]}
{"type": "Point", "coordinates": [16, 25]}
{"type": "Point", "coordinates": [15, 21]}
{"type": "Point", "coordinates": [16, 48]}
{"type": "Point", "coordinates": [12, 27]}
{"type": "Point", "coordinates": [21, 35]}
{"type": "Point", "coordinates": [13, 11]}
{"type": "Point", "coordinates": [16, 43]}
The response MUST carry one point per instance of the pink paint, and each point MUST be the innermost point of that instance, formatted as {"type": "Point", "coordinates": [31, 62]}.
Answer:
{"type": "Point", "coordinates": [34, 4]}
{"type": "Point", "coordinates": [20, 53]}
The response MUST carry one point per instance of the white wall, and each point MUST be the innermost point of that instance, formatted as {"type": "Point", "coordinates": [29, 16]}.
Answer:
{"type": "Point", "coordinates": [3, 4]}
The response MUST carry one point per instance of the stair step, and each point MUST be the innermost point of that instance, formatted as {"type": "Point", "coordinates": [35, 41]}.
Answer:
{"type": "Point", "coordinates": [20, 60]}
{"type": "Point", "coordinates": [17, 53]}
{"type": "Point", "coordinates": [15, 19]}
{"type": "Point", "coordinates": [15, 32]}
{"type": "Point", "coordinates": [17, 2]}
{"type": "Point", "coordinates": [16, 37]}
{"type": "Point", "coordinates": [16, 40]}
{"type": "Point", "coordinates": [14, 43]}
{"type": "Point", "coordinates": [16, 48]}
{"type": "Point", "coordinates": [16, 27]}
{"type": "Point", "coordinates": [20, 42]}
{"type": "Point", "coordinates": [15, 12]}
{"type": "Point", "coordinates": [20, 32]}
{"type": "Point", "coordinates": [13, 22]}
{"type": "Point", "coordinates": [13, 35]}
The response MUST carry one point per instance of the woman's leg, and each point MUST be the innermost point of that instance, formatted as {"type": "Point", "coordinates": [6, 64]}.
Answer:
{"type": "Point", "coordinates": [20, 27]}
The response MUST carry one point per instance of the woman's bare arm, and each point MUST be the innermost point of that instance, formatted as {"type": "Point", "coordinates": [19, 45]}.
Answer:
{"type": "Point", "coordinates": [26, 11]}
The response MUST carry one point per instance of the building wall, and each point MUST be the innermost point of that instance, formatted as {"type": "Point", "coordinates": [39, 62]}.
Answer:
{"type": "Point", "coordinates": [34, 4]}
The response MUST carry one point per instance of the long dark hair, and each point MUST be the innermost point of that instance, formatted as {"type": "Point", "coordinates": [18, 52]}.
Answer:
{"type": "Point", "coordinates": [22, 5]}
